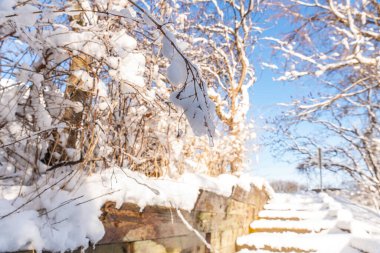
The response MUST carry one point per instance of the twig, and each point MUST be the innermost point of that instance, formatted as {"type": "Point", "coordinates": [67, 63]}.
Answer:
{"type": "Point", "coordinates": [66, 202]}
{"type": "Point", "coordinates": [155, 191]}
{"type": "Point", "coordinates": [31, 135]}
{"type": "Point", "coordinates": [105, 194]}
{"type": "Point", "coordinates": [66, 163]}
{"type": "Point", "coordinates": [38, 195]}
{"type": "Point", "coordinates": [196, 232]}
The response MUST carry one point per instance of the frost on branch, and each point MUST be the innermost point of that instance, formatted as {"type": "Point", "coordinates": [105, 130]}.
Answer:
{"type": "Point", "coordinates": [225, 32]}
{"type": "Point", "coordinates": [192, 95]}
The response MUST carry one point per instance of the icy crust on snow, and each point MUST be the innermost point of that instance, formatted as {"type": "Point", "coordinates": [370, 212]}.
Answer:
{"type": "Point", "coordinates": [65, 215]}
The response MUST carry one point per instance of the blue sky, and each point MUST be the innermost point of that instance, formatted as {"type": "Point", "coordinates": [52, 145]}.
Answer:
{"type": "Point", "coordinates": [265, 96]}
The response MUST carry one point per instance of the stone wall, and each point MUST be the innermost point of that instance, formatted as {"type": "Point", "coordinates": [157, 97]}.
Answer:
{"type": "Point", "coordinates": [160, 230]}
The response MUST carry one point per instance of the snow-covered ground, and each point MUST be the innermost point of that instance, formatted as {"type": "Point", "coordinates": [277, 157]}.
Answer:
{"type": "Point", "coordinates": [313, 222]}
{"type": "Point", "coordinates": [61, 212]}
{"type": "Point", "coordinates": [361, 213]}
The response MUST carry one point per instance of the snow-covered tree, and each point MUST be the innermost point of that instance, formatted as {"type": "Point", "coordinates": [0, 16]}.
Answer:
{"type": "Point", "coordinates": [335, 45]}
{"type": "Point", "coordinates": [225, 32]}
{"type": "Point", "coordinates": [82, 84]}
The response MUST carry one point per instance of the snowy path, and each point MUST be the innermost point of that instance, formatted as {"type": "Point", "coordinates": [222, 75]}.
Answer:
{"type": "Point", "coordinates": [310, 223]}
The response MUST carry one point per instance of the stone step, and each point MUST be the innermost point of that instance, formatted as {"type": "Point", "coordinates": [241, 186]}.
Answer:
{"type": "Point", "coordinates": [302, 226]}
{"type": "Point", "coordinates": [272, 249]}
{"type": "Point", "coordinates": [296, 198]}
{"type": "Point", "coordinates": [292, 215]}
{"type": "Point", "coordinates": [253, 251]}
{"type": "Point", "coordinates": [296, 206]}
{"type": "Point", "coordinates": [292, 242]}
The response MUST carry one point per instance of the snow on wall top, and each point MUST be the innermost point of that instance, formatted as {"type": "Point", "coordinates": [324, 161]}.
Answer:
{"type": "Point", "coordinates": [65, 219]}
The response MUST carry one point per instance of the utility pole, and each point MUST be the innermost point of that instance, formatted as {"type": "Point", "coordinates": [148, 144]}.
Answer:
{"type": "Point", "coordinates": [320, 168]}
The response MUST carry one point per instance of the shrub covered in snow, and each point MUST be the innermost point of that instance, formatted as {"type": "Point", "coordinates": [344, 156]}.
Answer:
{"type": "Point", "coordinates": [82, 84]}
{"type": "Point", "coordinates": [93, 84]}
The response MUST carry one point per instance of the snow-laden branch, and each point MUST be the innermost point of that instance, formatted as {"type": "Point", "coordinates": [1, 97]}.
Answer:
{"type": "Point", "coordinates": [192, 96]}
{"type": "Point", "coordinates": [335, 45]}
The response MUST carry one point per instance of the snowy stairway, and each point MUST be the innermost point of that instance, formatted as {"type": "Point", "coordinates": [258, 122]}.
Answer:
{"type": "Point", "coordinates": [298, 223]}
{"type": "Point", "coordinates": [300, 226]}
{"type": "Point", "coordinates": [298, 214]}
{"type": "Point", "coordinates": [292, 242]}
{"type": "Point", "coordinates": [294, 215]}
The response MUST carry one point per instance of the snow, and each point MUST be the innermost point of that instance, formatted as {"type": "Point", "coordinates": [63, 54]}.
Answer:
{"type": "Point", "coordinates": [296, 206]}
{"type": "Point", "coordinates": [131, 70]}
{"type": "Point", "coordinates": [63, 213]}
{"type": "Point", "coordinates": [223, 184]}
{"type": "Point", "coordinates": [123, 43]}
{"type": "Point", "coordinates": [23, 13]}
{"type": "Point", "coordinates": [316, 225]}
{"type": "Point", "coordinates": [197, 107]}
{"type": "Point", "coordinates": [306, 242]}
{"type": "Point", "coordinates": [269, 66]}
{"type": "Point", "coordinates": [335, 228]}
{"type": "Point", "coordinates": [177, 71]}
{"type": "Point", "coordinates": [365, 244]}
{"type": "Point", "coordinates": [8, 100]}
{"type": "Point", "coordinates": [167, 47]}
{"type": "Point", "coordinates": [362, 214]}
{"type": "Point", "coordinates": [301, 215]}
{"type": "Point", "coordinates": [80, 42]}
{"type": "Point", "coordinates": [192, 96]}
{"type": "Point", "coordinates": [19, 230]}
{"type": "Point", "coordinates": [90, 84]}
